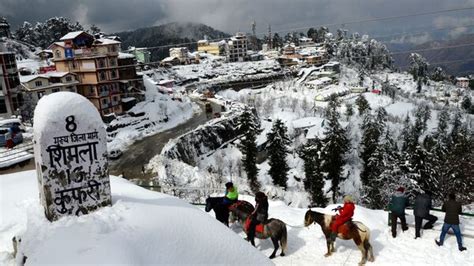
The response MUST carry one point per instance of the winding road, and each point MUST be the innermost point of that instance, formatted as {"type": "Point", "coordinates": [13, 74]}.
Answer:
{"type": "Point", "coordinates": [138, 154]}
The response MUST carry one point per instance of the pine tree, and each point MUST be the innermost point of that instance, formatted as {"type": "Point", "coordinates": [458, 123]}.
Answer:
{"type": "Point", "coordinates": [277, 143]}
{"type": "Point", "coordinates": [335, 146]}
{"type": "Point", "coordinates": [349, 110]}
{"type": "Point", "coordinates": [310, 152]}
{"type": "Point", "coordinates": [362, 104]}
{"type": "Point", "coordinates": [466, 103]}
{"type": "Point", "coordinates": [248, 146]}
{"type": "Point", "coordinates": [372, 154]}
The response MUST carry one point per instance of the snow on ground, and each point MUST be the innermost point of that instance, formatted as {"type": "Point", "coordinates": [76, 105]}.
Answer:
{"type": "Point", "coordinates": [140, 228]}
{"type": "Point", "coordinates": [307, 246]}
{"type": "Point", "coordinates": [159, 113]}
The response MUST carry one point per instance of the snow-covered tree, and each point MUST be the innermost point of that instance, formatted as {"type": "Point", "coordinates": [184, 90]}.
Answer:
{"type": "Point", "coordinates": [438, 74]}
{"type": "Point", "coordinates": [335, 146]}
{"type": "Point", "coordinates": [44, 34]}
{"type": "Point", "coordinates": [362, 104]}
{"type": "Point", "coordinates": [418, 66]}
{"type": "Point", "coordinates": [277, 146]}
{"type": "Point", "coordinates": [371, 154]}
{"type": "Point", "coordinates": [310, 152]}
{"type": "Point", "coordinates": [248, 146]}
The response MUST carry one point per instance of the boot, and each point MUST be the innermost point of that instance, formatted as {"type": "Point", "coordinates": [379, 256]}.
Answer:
{"type": "Point", "coordinates": [438, 243]}
{"type": "Point", "coordinates": [462, 249]}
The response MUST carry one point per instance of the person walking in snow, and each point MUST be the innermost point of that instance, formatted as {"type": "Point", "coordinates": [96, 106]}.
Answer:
{"type": "Point", "coordinates": [397, 206]}
{"type": "Point", "coordinates": [259, 215]}
{"type": "Point", "coordinates": [421, 211]}
{"type": "Point", "coordinates": [345, 214]}
{"type": "Point", "coordinates": [451, 220]}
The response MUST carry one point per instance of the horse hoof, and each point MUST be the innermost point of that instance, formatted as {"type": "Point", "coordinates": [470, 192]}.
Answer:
{"type": "Point", "coordinates": [272, 256]}
{"type": "Point", "coordinates": [327, 254]}
{"type": "Point", "coordinates": [282, 254]}
{"type": "Point", "coordinates": [372, 259]}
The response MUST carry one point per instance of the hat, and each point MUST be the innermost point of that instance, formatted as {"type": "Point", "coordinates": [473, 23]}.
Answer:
{"type": "Point", "coordinates": [229, 184]}
{"type": "Point", "coordinates": [401, 189]}
{"type": "Point", "coordinates": [348, 198]}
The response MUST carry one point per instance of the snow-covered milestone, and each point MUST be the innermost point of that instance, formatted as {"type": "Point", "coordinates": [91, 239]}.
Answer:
{"type": "Point", "coordinates": [71, 156]}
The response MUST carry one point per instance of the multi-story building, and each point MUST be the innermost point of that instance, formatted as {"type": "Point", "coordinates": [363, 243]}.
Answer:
{"type": "Point", "coordinates": [142, 55]}
{"type": "Point", "coordinates": [214, 48]}
{"type": "Point", "coordinates": [181, 53]}
{"type": "Point", "coordinates": [462, 82]}
{"type": "Point", "coordinates": [130, 83]}
{"type": "Point", "coordinates": [237, 48]}
{"type": "Point", "coordinates": [10, 98]}
{"type": "Point", "coordinates": [95, 63]}
{"type": "Point", "coordinates": [36, 86]}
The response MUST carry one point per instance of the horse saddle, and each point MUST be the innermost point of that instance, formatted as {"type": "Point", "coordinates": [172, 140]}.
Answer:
{"type": "Point", "coordinates": [346, 227]}
{"type": "Point", "coordinates": [258, 229]}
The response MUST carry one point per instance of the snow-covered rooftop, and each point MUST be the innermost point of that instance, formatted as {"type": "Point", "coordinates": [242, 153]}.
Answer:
{"type": "Point", "coordinates": [72, 35]}
{"type": "Point", "coordinates": [125, 55]}
{"type": "Point", "coordinates": [54, 74]}
{"type": "Point", "coordinates": [106, 41]}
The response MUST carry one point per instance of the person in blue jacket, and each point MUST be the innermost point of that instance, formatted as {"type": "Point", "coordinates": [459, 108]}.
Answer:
{"type": "Point", "coordinates": [397, 206]}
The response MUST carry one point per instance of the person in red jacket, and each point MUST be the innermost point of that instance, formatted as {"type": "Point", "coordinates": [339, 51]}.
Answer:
{"type": "Point", "coordinates": [345, 214]}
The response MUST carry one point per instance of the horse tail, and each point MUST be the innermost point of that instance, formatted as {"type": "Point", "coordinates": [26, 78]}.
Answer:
{"type": "Point", "coordinates": [283, 239]}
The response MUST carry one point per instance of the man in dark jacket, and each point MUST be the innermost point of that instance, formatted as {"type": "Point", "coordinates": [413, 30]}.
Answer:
{"type": "Point", "coordinates": [451, 220]}
{"type": "Point", "coordinates": [422, 211]}
{"type": "Point", "coordinates": [397, 206]}
{"type": "Point", "coordinates": [259, 215]}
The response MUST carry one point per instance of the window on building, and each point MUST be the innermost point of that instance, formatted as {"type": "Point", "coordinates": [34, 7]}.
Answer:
{"type": "Point", "coordinates": [104, 101]}
{"type": "Point", "coordinates": [3, 105]}
{"type": "Point", "coordinates": [114, 48]}
{"type": "Point", "coordinates": [113, 62]}
{"type": "Point", "coordinates": [38, 83]}
{"type": "Point", "coordinates": [113, 74]}
{"type": "Point", "coordinates": [115, 98]}
{"type": "Point", "coordinates": [71, 89]}
{"type": "Point", "coordinates": [57, 54]}
{"type": "Point", "coordinates": [102, 76]}
{"type": "Point", "coordinates": [68, 78]}
{"type": "Point", "coordinates": [40, 94]}
{"type": "Point", "coordinates": [101, 63]}
{"type": "Point", "coordinates": [55, 90]}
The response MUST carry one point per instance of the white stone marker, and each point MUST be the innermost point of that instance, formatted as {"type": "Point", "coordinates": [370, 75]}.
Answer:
{"type": "Point", "coordinates": [71, 155]}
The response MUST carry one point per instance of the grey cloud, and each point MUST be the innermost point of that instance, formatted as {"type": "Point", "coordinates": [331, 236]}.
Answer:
{"type": "Point", "coordinates": [237, 15]}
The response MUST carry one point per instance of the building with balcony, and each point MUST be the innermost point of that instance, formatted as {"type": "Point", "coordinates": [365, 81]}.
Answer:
{"type": "Point", "coordinates": [10, 98]}
{"type": "Point", "coordinates": [237, 48]}
{"type": "Point", "coordinates": [181, 53]}
{"type": "Point", "coordinates": [95, 63]}
{"type": "Point", "coordinates": [36, 86]}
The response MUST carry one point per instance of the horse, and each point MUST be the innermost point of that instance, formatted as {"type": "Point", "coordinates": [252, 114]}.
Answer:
{"type": "Point", "coordinates": [350, 230]}
{"type": "Point", "coordinates": [272, 228]}
{"type": "Point", "coordinates": [221, 211]}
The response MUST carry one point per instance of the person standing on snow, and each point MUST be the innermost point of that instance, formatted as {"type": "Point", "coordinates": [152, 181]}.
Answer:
{"type": "Point", "coordinates": [345, 214]}
{"type": "Point", "coordinates": [397, 206]}
{"type": "Point", "coordinates": [421, 211]}
{"type": "Point", "coordinates": [451, 220]}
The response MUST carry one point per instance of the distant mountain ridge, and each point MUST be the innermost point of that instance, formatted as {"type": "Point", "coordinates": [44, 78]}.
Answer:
{"type": "Point", "coordinates": [455, 61]}
{"type": "Point", "coordinates": [168, 34]}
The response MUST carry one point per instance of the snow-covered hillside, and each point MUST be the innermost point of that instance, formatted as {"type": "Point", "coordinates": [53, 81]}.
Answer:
{"type": "Point", "coordinates": [140, 228]}
{"type": "Point", "coordinates": [149, 228]}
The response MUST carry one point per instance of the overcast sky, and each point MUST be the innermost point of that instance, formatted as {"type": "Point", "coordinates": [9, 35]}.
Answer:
{"type": "Point", "coordinates": [236, 15]}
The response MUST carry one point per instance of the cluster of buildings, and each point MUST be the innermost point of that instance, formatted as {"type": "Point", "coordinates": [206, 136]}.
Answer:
{"type": "Point", "coordinates": [237, 49]}
{"type": "Point", "coordinates": [93, 67]}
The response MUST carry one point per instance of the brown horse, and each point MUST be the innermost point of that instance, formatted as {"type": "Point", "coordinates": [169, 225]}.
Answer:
{"type": "Point", "coordinates": [350, 230]}
{"type": "Point", "coordinates": [273, 228]}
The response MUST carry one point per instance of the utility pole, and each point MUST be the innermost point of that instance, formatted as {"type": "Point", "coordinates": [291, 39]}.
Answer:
{"type": "Point", "coordinates": [270, 37]}
{"type": "Point", "coordinates": [254, 36]}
